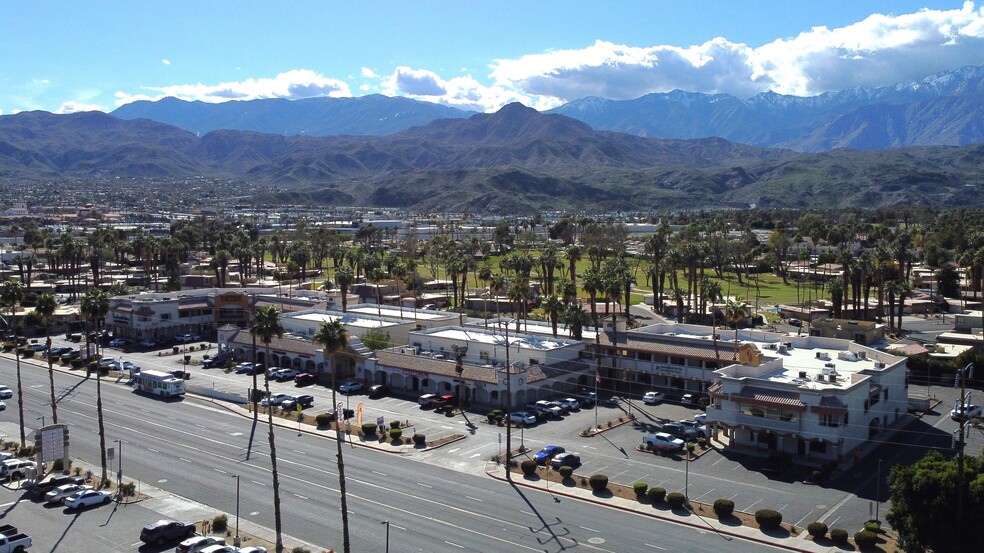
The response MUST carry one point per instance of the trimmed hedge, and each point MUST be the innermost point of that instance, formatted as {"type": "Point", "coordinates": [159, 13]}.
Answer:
{"type": "Point", "coordinates": [640, 488]}
{"type": "Point", "coordinates": [324, 419]}
{"type": "Point", "coordinates": [656, 495]}
{"type": "Point", "coordinates": [723, 508]}
{"type": "Point", "coordinates": [817, 529]}
{"type": "Point", "coordinates": [394, 425]}
{"type": "Point", "coordinates": [369, 429]}
{"type": "Point", "coordinates": [565, 471]}
{"type": "Point", "coordinates": [768, 519]}
{"type": "Point", "coordinates": [396, 433]}
{"type": "Point", "coordinates": [872, 526]}
{"type": "Point", "coordinates": [419, 439]}
{"type": "Point", "coordinates": [865, 539]}
{"type": "Point", "coordinates": [598, 482]}
{"type": "Point", "coordinates": [675, 500]}
{"type": "Point", "coordinates": [838, 535]}
{"type": "Point", "coordinates": [528, 467]}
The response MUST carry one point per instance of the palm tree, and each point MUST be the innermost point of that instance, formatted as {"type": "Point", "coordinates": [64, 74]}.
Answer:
{"type": "Point", "coordinates": [266, 325]}
{"type": "Point", "coordinates": [11, 295]}
{"type": "Point", "coordinates": [736, 311]}
{"type": "Point", "coordinates": [553, 308]}
{"type": "Point", "coordinates": [344, 278]}
{"type": "Point", "coordinates": [591, 282]}
{"type": "Point", "coordinates": [45, 308]}
{"type": "Point", "coordinates": [334, 338]}
{"type": "Point", "coordinates": [95, 308]}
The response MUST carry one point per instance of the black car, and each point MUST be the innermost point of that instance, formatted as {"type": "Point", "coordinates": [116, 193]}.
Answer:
{"type": "Point", "coordinates": [304, 401]}
{"type": "Point", "coordinates": [377, 391]}
{"type": "Point", "coordinates": [167, 530]}
{"type": "Point", "coordinates": [42, 488]}
{"type": "Point", "coordinates": [305, 379]}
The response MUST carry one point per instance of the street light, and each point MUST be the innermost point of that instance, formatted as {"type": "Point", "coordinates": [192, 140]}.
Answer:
{"type": "Point", "coordinates": [41, 418]}
{"type": "Point", "coordinates": [387, 523]}
{"type": "Point", "coordinates": [119, 470]}
{"type": "Point", "coordinates": [878, 491]}
{"type": "Point", "coordinates": [235, 541]}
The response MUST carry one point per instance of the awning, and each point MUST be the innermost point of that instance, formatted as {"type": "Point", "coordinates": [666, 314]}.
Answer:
{"type": "Point", "coordinates": [769, 398]}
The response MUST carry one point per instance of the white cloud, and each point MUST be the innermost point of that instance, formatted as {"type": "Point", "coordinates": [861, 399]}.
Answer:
{"type": "Point", "coordinates": [369, 73]}
{"type": "Point", "coordinates": [166, 61]}
{"type": "Point", "coordinates": [292, 85]}
{"type": "Point", "coordinates": [75, 107]}
{"type": "Point", "coordinates": [463, 92]}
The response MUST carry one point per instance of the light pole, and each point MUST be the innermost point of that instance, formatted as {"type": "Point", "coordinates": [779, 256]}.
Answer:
{"type": "Point", "coordinates": [686, 481]}
{"type": "Point", "coordinates": [235, 541]}
{"type": "Point", "coordinates": [41, 418]}
{"type": "Point", "coordinates": [119, 466]}
{"type": "Point", "coordinates": [878, 492]}
{"type": "Point", "coordinates": [387, 523]}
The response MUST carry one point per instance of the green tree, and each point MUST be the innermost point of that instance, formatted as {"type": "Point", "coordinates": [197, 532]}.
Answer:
{"type": "Point", "coordinates": [334, 338]}
{"type": "Point", "coordinates": [376, 339]}
{"type": "Point", "coordinates": [924, 497]}
{"type": "Point", "coordinates": [736, 311]}
{"type": "Point", "coordinates": [553, 307]}
{"type": "Point", "coordinates": [344, 277]}
{"type": "Point", "coordinates": [94, 308]}
{"type": "Point", "coordinates": [12, 295]}
{"type": "Point", "coordinates": [45, 307]}
{"type": "Point", "coordinates": [266, 326]}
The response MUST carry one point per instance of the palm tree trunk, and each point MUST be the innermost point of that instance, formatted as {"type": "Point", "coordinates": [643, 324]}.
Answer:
{"type": "Point", "coordinates": [102, 426]}
{"type": "Point", "coordinates": [341, 464]}
{"type": "Point", "coordinates": [273, 462]}
{"type": "Point", "coordinates": [20, 396]}
{"type": "Point", "coordinates": [51, 378]}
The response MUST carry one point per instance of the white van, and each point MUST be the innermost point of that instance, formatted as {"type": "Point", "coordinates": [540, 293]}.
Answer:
{"type": "Point", "coordinates": [17, 468]}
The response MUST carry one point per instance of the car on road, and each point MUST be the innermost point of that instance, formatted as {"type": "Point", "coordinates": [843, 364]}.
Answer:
{"type": "Point", "coordinates": [118, 343]}
{"type": "Point", "coordinates": [680, 431]}
{"type": "Point", "coordinates": [275, 399]}
{"type": "Point", "coordinates": [244, 368]}
{"type": "Point", "coordinates": [566, 459]}
{"type": "Point", "coordinates": [698, 427]}
{"type": "Point", "coordinates": [442, 401]}
{"type": "Point", "coordinates": [964, 412]}
{"type": "Point", "coordinates": [350, 387]}
{"type": "Point", "coordinates": [522, 418]}
{"type": "Point", "coordinates": [59, 494]}
{"type": "Point", "coordinates": [88, 498]}
{"type": "Point", "coordinates": [6, 392]}
{"type": "Point", "coordinates": [166, 530]}
{"type": "Point", "coordinates": [663, 442]}
{"type": "Point", "coordinates": [305, 379]}
{"type": "Point", "coordinates": [652, 398]}
{"type": "Point", "coordinates": [547, 453]}
{"type": "Point", "coordinates": [283, 375]}
{"type": "Point", "coordinates": [377, 391]}
{"type": "Point", "coordinates": [146, 343]}
{"type": "Point", "coordinates": [195, 544]}
{"type": "Point", "coordinates": [304, 401]}
{"type": "Point", "coordinates": [550, 407]}
{"type": "Point", "coordinates": [793, 321]}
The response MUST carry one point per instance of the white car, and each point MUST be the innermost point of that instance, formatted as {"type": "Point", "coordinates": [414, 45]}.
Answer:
{"type": "Point", "coordinates": [3, 406]}
{"type": "Point", "coordinates": [87, 498]}
{"type": "Point", "coordinates": [198, 543]}
{"type": "Point", "coordinates": [522, 418]}
{"type": "Point", "coordinates": [571, 403]}
{"type": "Point", "coordinates": [6, 392]}
{"type": "Point", "coordinates": [965, 412]}
{"type": "Point", "coordinates": [652, 398]}
{"type": "Point", "coordinates": [350, 387]}
{"type": "Point", "coordinates": [550, 407]}
{"type": "Point", "coordinates": [147, 343]}
{"type": "Point", "coordinates": [58, 494]}
{"type": "Point", "coordinates": [118, 343]}
{"type": "Point", "coordinates": [253, 550]}
{"type": "Point", "coordinates": [220, 548]}
{"type": "Point", "coordinates": [697, 426]}
{"type": "Point", "coordinates": [276, 399]}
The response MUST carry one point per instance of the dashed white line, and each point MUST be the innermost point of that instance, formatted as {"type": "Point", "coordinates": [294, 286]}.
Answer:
{"type": "Point", "coordinates": [475, 455]}
{"type": "Point", "coordinates": [656, 547]}
{"type": "Point", "coordinates": [455, 545]}
{"type": "Point", "coordinates": [453, 450]}
{"type": "Point", "coordinates": [424, 485]}
{"type": "Point", "coordinates": [302, 497]}
{"type": "Point", "coordinates": [299, 452]}
{"type": "Point", "coordinates": [220, 471]}
{"type": "Point", "coordinates": [379, 473]}
{"type": "Point", "coordinates": [183, 459]}
{"type": "Point", "coordinates": [258, 482]}
{"type": "Point", "coordinates": [153, 450]}
{"type": "Point", "coordinates": [472, 498]}
{"type": "Point", "coordinates": [590, 529]}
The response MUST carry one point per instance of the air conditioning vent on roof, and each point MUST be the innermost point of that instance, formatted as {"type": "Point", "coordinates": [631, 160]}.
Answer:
{"type": "Point", "coordinates": [879, 365]}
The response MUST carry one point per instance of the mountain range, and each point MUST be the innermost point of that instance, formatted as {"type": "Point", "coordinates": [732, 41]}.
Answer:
{"type": "Point", "coordinates": [943, 109]}
{"type": "Point", "coordinates": [516, 160]}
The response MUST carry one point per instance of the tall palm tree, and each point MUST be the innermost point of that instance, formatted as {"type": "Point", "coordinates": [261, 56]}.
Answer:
{"type": "Point", "coordinates": [553, 308]}
{"type": "Point", "coordinates": [12, 295]}
{"type": "Point", "coordinates": [334, 338]}
{"type": "Point", "coordinates": [45, 308]}
{"type": "Point", "coordinates": [94, 308]}
{"type": "Point", "coordinates": [266, 326]}
{"type": "Point", "coordinates": [344, 278]}
{"type": "Point", "coordinates": [736, 311]}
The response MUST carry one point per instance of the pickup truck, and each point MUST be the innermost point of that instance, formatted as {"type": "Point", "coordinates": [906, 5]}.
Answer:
{"type": "Point", "coordinates": [12, 541]}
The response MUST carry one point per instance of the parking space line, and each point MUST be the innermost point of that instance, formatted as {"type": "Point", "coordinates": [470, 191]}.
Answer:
{"type": "Point", "coordinates": [703, 494]}
{"type": "Point", "coordinates": [220, 471]}
{"type": "Point", "coordinates": [800, 521]}
{"type": "Point", "coordinates": [749, 508]}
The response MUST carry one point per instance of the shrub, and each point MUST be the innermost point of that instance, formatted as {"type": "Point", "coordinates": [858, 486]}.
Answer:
{"type": "Point", "coordinates": [675, 500]}
{"type": "Point", "coordinates": [220, 523]}
{"type": "Point", "coordinates": [27, 353]}
{"type": "Point", "coordinates": [394, 425]}
{"type": "Point", "coordinates": [324, 419]}
{"type": "Point", "coordinates": [598, 482]}
{"type": "Point", "coordinates": [865, 539]}
{"type": "Point", "coordinates": [723, 508]}
{"type": "Point", "coordinates": [368, 429]}
{"type": "Point", "coordinates": [838, 535]}
{"type": "Point", "coordinates": [768, 519]}
{"type": "Point", "coordinates": [817, 529]}
{"type": "Point", "coordinates": [656, 495]}
{"type": "Point", "coordinates": [691, 447]}
{"type": "Point", "coordinates": [528, 466]}
{"type": "Point", "coordinates": [816, 476]}
{"type": "Point", "coordinates": [128, 489]}
{"type": "Point", "coordinates": [872, 526]}
{"type": "Point", "coordinates": [419, 439]}
{"type": "Point", "coordinates": [702, 442]}
{"type": "Point", "coordinates": [396, 433]}
{"type": "Point", "coordinates": [640, 488]}
{"type": "Point", "coordinates": [566, 472]}
{"type": "Point", "coordinates": [300, 549]}
{"type": "Point", "coordinates": [59, 464]}
{"type": "Point", "coordinates": [76, 363]}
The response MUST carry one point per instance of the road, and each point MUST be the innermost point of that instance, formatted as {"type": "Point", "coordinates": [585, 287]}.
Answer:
{"type": "Point", "coordinates": [193, 448]}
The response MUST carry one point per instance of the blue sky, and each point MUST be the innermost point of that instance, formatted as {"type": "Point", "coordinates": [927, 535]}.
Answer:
{"type": "Point", "coordinates": [67, 55]}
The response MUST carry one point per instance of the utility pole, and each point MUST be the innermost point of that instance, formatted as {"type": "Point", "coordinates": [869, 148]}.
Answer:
{"type": "Point", "coordinates": [508, 407]}
{"type": "Point", "coordinates": [962, 406]}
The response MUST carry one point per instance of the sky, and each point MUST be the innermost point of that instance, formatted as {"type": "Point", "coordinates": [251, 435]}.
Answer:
{"type": "Point", "coordinates": [65, 56]}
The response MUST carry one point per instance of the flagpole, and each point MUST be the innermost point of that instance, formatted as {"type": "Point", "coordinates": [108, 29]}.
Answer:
{"type": "Point", "coordinates": [597, 399]}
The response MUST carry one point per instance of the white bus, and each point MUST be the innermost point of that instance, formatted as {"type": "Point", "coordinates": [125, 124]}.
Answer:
{"type": "Point", "coordinates": [159, 383]}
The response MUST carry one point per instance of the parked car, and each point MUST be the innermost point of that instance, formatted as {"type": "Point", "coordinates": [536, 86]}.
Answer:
{"type": "Point", "coordinates": [700, 428]}
{"type": "Point", "coordinates": [522, 418]}
{"type": "Point", "coordinates": [663, 442]}
{"type": "Point", "coordinates": [16, 468]}
{"type": "Point", "coordinates": [217, 360]}
{"type": "Point", "coordinates": [244, 368]}
{"type": "Point", "coordinates": [588, 399]}
{"type": "Point", "coordinates": [146, 343]}
{"type": "Point", "coordinates": [964, 412]}
{"type": "Point", "coordinates": [566, 459]}
{"type": "Point", "coordinates": [58, 494]}
{"type": "Point", "coordinates": [185, 338]}
{"type": "Point", "coordinates": [553, 409]}
{"type": "Point", "coordinates": [220, 548]}
{"type": "Point", "coordinates": [283, 375]}
{"type": "Point", "coordinates": [118, 343]}
{"type": "Point", "coordinates": [350, 387]}
{"type": "Point", "coordinates": [541, 413]}
{"type": "Point", "coordinates": [252, 550]}
{"type": "Point", "coordinates": [275, 399]}
{"type": "Point", "coordinates": [166, 530]}
{"type": "Point", "coordinates": [548, 453]}
{"type": "Point", "coordinates": [701, 418]}
{"type": "Point", "coordinates": [564, 409]}
{"type": "Point", "coordinates": [6, 392]}
{"type": "Point", "coordinates": [304, 401]}
{"type": "Point", "coordinates": [3, 405]}
{"type": "Point", "coordinates": [197, 543]}
{"type": "Point", "coordinates": [305, 379]}
{"type": "Point", "coordinates": [793, 321]}
{"type": "Point", "coordinates": [88, 498]}
{"type": "Point", "coordinates": [378, 391]}
{"type": "Point", "coordinates": [652, 398]}
{"type": "Point", "coordinates": [46, 486]}
{"type": "Point", "coordinates": [571, 403]}
{"type": "Point", "coordinates": [680, 431]}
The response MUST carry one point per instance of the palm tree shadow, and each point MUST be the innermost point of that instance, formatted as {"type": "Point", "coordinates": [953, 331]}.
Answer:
{"type": "Point", "coordinates": [546, 525]}
{"type": "Point", "coordinates": [252, 436]}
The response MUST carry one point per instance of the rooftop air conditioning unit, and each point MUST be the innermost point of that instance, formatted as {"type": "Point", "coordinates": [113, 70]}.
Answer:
{"type": "Point", "coordinates": [802, 374]}
{"type": "Point", "coordinates": [879, 365]}
{"type": "Point", "coordinates": [862, 355]}
{"type": "Point", "coordinates": [782, 348]}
